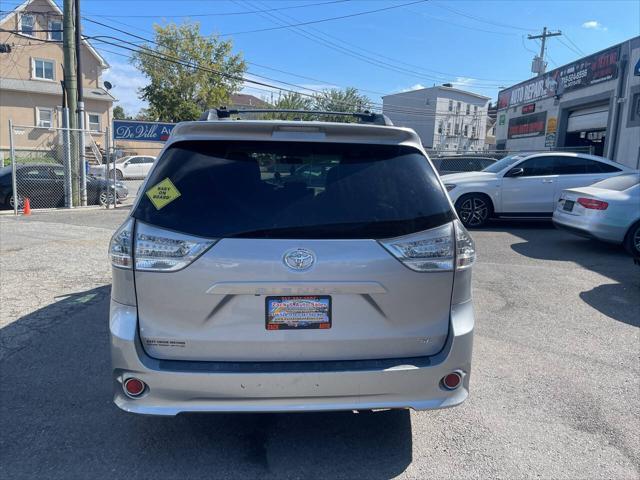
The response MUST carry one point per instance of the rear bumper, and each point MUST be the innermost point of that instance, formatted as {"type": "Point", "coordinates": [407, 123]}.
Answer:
{"type": "Point", "coordinates": [589, 227]}
{"type": "Point", "coordinates": [175, 387]}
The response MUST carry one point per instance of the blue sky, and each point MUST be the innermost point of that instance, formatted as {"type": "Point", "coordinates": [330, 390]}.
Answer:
{"type": "Point", "coordinates": [480, 45]}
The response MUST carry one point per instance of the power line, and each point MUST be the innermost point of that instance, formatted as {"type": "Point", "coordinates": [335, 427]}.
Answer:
{"type": "Point", "coordinates": [423, 113]}
{"type": "Point", "coordinates": [580, 51]}
{"type": "Point", "coordinates": [322, 20]}
{"type": "Point", "coordinates": [220, 14]}
{"type": "Point", "coordinates": [342, 43]}
{"type": "Point", "coordinates": [484, 20]}
{"type": "Point", "coordinates": [340, 47]}
{"type": "Point", "coordinates": [328, 43]}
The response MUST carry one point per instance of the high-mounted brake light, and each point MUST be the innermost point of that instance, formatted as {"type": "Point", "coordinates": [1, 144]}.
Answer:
{"type": "Point", "coordinates": [439, 249]}
{"type": "Point", "coordinates": [592, 203]}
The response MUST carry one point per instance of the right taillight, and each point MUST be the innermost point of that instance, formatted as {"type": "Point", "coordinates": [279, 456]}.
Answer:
{"type": "Point", "coordinates": [436, 250]}
{"type": "Point", "coordinates": [592, 203]}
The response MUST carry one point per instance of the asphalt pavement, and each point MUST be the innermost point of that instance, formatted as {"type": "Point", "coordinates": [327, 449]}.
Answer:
{"type": "Point", "coordinates": [554, 388]}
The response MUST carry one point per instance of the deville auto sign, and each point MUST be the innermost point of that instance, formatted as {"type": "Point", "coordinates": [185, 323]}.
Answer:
{"type": "Point", "coordinates": [141, 131]}
{"type": "Point", "coordinates": [587, 71]}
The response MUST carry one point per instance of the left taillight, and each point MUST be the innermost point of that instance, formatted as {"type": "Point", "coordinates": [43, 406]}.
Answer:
{"type": "Point", "coordinates": [154, 249]}
{"type": "Point", "coordinates": [592, 203]}
{"type": "Point", "coordinates": [121, 246]}
{"type": "Point", "coordinates": [159, 250]}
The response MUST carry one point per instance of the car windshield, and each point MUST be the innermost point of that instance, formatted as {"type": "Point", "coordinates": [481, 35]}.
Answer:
{"type": "Point", "coordinates": [619, 182]}
{"type": "Point", "coordinates": [274, 190]}
{"type": "Point", "coordinates": [504, 163]}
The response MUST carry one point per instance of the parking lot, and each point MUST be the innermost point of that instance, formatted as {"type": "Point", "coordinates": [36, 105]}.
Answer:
{"type": "Point", "coordinates": [554, 387]}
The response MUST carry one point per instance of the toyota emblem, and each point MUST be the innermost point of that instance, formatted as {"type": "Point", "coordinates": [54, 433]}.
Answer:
{"type": "Point", "coordinates": [299, 259]}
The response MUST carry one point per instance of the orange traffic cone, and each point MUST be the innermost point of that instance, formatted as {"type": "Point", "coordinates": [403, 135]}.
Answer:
{"type": "Point", "coordinates": [27, 207]}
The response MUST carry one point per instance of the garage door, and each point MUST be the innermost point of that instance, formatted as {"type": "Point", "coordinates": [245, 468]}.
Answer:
{"type": "Point", "coordinates": [594, 118]}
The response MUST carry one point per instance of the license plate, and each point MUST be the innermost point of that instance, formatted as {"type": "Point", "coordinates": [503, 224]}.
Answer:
{"type": "Point", "coordinates": [568, 205]}
{"type": "Point", "coordinates": [292, 313]}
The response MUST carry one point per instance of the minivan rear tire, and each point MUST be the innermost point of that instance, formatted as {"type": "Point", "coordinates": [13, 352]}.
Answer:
{"type": "Point", "coordinates": [474, 209]}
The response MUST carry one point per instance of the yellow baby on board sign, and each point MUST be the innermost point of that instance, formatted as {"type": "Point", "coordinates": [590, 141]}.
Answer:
{"type": "Point", "coordinates": [163, 193]}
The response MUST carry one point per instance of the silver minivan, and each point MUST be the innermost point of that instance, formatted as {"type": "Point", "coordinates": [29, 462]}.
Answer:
{"type": "Point", "coordinates": [291, 266]}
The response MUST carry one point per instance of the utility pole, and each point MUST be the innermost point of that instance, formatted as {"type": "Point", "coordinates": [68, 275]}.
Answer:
{"type": "Point", "coordinates": [71, 86]}
{"type": "Point", "coordinates": [539, 65]}
{"type": "Point", "coordinates": [81, 115]}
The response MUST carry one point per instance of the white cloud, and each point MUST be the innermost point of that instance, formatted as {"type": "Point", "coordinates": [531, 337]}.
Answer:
{"type": "Point", "coordinates": [594, 25]}
{"type": "Point", "coordinates": [416, 86]}
{"type": "Point", "coordinates": [464, 81]}
{"type": "Point", "coordinates": [126, 81]}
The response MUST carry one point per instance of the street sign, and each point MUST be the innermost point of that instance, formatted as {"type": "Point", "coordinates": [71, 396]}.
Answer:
{"type": "Point", "coordinates": [141, 131]}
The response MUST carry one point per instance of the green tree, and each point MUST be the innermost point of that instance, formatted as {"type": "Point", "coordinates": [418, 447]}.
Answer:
{"type": "Point", "coordinates": [119, 113]}
{"type": "Point", "coordinates": [337, 100]}
{"type": "Point", "coordinates": [291, 101]}
{"type": "Point", "coordinates": [187, 72]}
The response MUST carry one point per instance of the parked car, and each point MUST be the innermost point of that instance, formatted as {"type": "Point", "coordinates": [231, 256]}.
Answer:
{"type": "Point", "coordinates": [608, 210]}
{"type": "Point", "coordinates": [232, 292]}
{"type": "Point", "coordinates": [127, 168]}
{"type": "Point", "coordinates": [461, 163]}
{"type": "Point", "coordinates": [43, 184]}
{"type": "Point", "coordinates": [525, 185]}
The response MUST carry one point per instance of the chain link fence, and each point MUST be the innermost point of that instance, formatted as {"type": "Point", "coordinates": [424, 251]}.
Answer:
{"type": "Point", "coordinates": [47, 168]}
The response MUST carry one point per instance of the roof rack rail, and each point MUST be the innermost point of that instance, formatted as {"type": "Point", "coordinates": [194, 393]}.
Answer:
{"type": "Point", "coordinates": [366, 116]}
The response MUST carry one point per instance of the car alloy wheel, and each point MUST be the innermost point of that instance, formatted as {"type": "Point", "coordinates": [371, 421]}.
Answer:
{"type": "Point", "coordinates": [105, 199]}
{"type": "Point", "coordinates": [473, 211]}
{"type": "Point", "coordinates": [20, 201]}
{"type": "Point", "coordinates": [636, 240]}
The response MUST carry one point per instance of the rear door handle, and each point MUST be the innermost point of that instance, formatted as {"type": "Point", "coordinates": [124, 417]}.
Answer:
{"type": "Point", "coordinates": [547, 180]}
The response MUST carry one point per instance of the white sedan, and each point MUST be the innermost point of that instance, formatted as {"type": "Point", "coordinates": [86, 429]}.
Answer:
{"type": "Point", "coordinates": [525, 185]}
{"type": "Point", "coordinates": [608, 210]}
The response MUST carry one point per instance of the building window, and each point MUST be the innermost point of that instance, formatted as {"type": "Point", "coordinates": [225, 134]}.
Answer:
{"type": "Point", "coordinates": [26, 24]}
{"type": "Point", "coordinates": [449, 128]}
{"type": "Point", "coordinates": [94, 121]}
{"type": "Point", "coordinates": [468, 109]}
{"type": "Point", "coordinates": [458, 107]}
{"type": "Point", "coordinates": [466, 130]}
{"type": "Point", "coordinates": [456, 130]}
{"type": "Point", "coordinates": [475, 109]}
{"type": "Point", "coordinates": [473, 132]}
{"type": "Point", "coordinates": [440, 126]}
{"type": "Point", "coordinates": [55, 30]}
{"type": "Point", "coordinates": [43, 69]}
{"type": "Point", "coordinates": [451, 105]}
{"type": "Point", "coordinates": [44, 117]}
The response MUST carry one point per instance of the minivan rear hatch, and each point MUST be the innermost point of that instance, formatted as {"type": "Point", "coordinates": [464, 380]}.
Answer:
{"type": "Point", "coordinates": [287, 257]}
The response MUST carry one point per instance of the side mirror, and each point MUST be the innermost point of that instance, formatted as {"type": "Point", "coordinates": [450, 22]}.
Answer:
{"type": "Point", "coordinates": [515, 172]}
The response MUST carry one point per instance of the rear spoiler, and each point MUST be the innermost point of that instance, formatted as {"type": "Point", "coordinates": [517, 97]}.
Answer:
{"type": "Point", "coordinates": [366, 116]}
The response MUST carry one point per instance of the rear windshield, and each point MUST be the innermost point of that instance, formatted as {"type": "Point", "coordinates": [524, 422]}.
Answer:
{"type": "Point", "coordinates": [296, 190]}
{"type": "Point", "coordinates": [619, 183]}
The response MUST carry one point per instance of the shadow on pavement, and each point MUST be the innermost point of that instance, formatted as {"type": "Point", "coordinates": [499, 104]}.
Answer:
{"type": "Point", "coordinates": [58, 421]}
{"type": "Point", "coordinates": [618, 300]}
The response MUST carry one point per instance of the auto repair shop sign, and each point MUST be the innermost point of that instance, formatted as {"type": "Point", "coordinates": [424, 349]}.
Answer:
{"type": "Point", "coordinates": [141, 131]}
{"type": "Point", "coordinates": [527, 126]}
{"type": "Point", "coordinates": [587, 71]}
